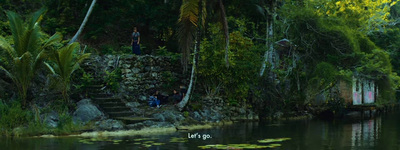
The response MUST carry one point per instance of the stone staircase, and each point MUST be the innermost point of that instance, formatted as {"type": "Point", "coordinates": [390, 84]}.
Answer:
{"type": "Point", "coordinates": [112, 106]}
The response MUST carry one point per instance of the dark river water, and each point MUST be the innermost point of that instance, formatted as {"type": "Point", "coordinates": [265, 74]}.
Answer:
{"type": "Point", "coordinates": [379, 133]}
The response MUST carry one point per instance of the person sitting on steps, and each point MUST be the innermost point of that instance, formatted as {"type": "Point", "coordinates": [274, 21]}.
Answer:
{"type": "Point", "coordinates": [154, 101]}
{"type": "Point", "coordinates": [163, 99]}
{"type": "Point", "coordinates": [176, 97]}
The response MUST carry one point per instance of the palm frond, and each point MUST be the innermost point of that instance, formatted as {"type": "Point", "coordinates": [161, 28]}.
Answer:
{"type": "Point", "coordinates": [36, 18]}
{"type": "Point", "coordinates": [39, 59]}
{"type": "Point", "coordinates": [189, 11]}
{"type": "Point", "coordinates": [23, 71]}
{"type": "Point", "coordinates": [10, 75]}
{"type": "Point", "coordinates": [51, 69]}
{"type": "Point", "coordinates": [6, 46]}
{"type": "Point", "coordinates": [17, 30]}
{"type": "Point", "coordinates": [188, 21]}
{"type": "Point", "coordinates": [66, 55]}
{"type": "Point", "coordinates": [57, 37]}
{"type": "Point", "coordinates": [26, 55]}
{"type": "Point", "coordinates": [32, 40]}
{"type": "Point", "coordinates": [204, 12]}
{"type": "Point", "coordinates": [186, 33]}
{"type": "Point", "coordinates": [78, 61]}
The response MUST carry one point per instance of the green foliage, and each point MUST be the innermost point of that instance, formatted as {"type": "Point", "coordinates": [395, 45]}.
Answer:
{"type": "Point", "coordinates": [126, 49]}
{"type": "Point", "coordinates": [347, 50]}
{"type": "Point", "coordinates": [243, 57]}
{"type": "Point", "coordinates": [107, 49]}
{"type": "Point", "coordinates": [12, 116]}
{"type": "Point", "coordinates": [15, 121]}
{"type": "Point", "coordinates": [112, 79]}
{"type": "Point", "coordinates": [85, 80]}
{"type": "Point", "coordinates": [185, 114]}
{"type": "Point", "coordinates": [27, 53]}
{"type": "Point", "coordinates": [66, 125]}
{"type": "Point", "coordinates": [325, 74]}
{"type": "Point", "coordinates": [64, 62]}
{"type": "Point", "coordinates": [163, 51]}
{"type": "Point", "coordinates": [171, 80]}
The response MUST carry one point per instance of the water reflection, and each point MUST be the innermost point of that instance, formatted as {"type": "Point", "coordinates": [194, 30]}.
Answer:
{"type": "Point", "coordinates": [366, 133]}
{"type": "Point", "coordinates": [378, 133]}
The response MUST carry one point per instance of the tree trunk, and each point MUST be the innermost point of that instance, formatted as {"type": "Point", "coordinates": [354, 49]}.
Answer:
{"type": "Point", "coordinates": [269, 45]}
{"type": "Point", "coordinates": [185, 100]}
{"type": "Point", "coordinates": [226, 32]}
{"type": "Point", "coordinates": [83, 23]}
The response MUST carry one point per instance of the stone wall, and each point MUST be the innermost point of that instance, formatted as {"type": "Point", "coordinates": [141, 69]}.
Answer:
{"type": "Point", "coordinates": [140, 74]}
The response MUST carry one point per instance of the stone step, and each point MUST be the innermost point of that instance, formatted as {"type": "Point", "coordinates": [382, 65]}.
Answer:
{"type": "Point", "coordinates": [95, 92]}
{"type": "Point", "coordinates": [98, 95]}
{"type": "Point", "coordinates": [111, 104]}
{"type": "Point", "coordinates": [95, 86]}
{"type": "Point", "coordinates": [120, 114]}
{"type": "Point", "coordinates": [132, 120]}
{"type": "Point", "coordinates": [116, 109]}
{"type": "Point", "coordinates": [105, 99]}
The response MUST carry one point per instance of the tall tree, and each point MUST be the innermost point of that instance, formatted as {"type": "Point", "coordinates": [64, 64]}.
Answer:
{"type": "Point", "coordinates": [83, 23]}
{"type": "Point", "coordinates": [191, 19]}
{"type": "Point", "coordinates": [269, 13]}
{"type": "Point", "coordinates": [194, 9]}
{"type": "Point", "coordinates": [226, 31]}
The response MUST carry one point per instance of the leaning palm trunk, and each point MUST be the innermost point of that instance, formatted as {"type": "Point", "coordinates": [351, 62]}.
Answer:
{"type": "Point", "coordinates": [185, 100]}
{"type": "Point", "coordinates": [83, 22]}
{"type": "Point", "coordinates": [191, 18]}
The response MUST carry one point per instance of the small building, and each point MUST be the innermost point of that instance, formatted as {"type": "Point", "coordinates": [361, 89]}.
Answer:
{"type": "Point", "coordinates": [360, 91]}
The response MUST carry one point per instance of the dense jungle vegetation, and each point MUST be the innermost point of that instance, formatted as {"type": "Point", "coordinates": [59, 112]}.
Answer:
{"type": "Point", "coordinates": [267, 55]}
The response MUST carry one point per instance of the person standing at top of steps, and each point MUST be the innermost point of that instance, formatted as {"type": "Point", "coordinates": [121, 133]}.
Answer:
{"type": "Point", "coordinates": [135, 41]}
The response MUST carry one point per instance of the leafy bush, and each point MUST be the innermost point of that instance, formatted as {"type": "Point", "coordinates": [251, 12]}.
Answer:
{"type": "Point", "coordinates": [163, 51]}
{"type": "Point", "coordinates": [233, 82]}
{"type": "Point", "coordinates": [112, 79]}
{"type": "Point", "coordinates": [12, 116]}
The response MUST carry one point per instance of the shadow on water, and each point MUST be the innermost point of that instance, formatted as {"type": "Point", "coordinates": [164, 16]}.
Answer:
{"type": "Point", "coordinates": [381, 132]}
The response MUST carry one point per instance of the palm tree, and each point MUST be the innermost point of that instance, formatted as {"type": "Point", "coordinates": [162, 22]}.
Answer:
{"type": "Point", "coordinates": [28, 51]}
{"type": "Point", "coordinates": [192, 19]}
{"type": "Point", "coordinates": [63, 63]}
{"type": "Point", "coordinates": [83, 23]}
{"type": "Point", "coordinates": [190, 14]}
{"type": "Point", "coordinates": [190, 10]}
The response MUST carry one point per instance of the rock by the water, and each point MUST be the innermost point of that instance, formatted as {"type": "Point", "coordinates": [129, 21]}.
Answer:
{"type": "Point", "coordinates": [51, 119]}
{"type": "Point", "coordinates": [278, 115]}
{"type": "Point", "coordinates": [109, 124]}
{"type": "Point", "coordinates": [86, 111]}
{"type": "Point", "coordinates": [169, 116]}
{"type": "Point", "coordinates": [136, 126]}
{"type": "Point", "coordinates": [196, 116]}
